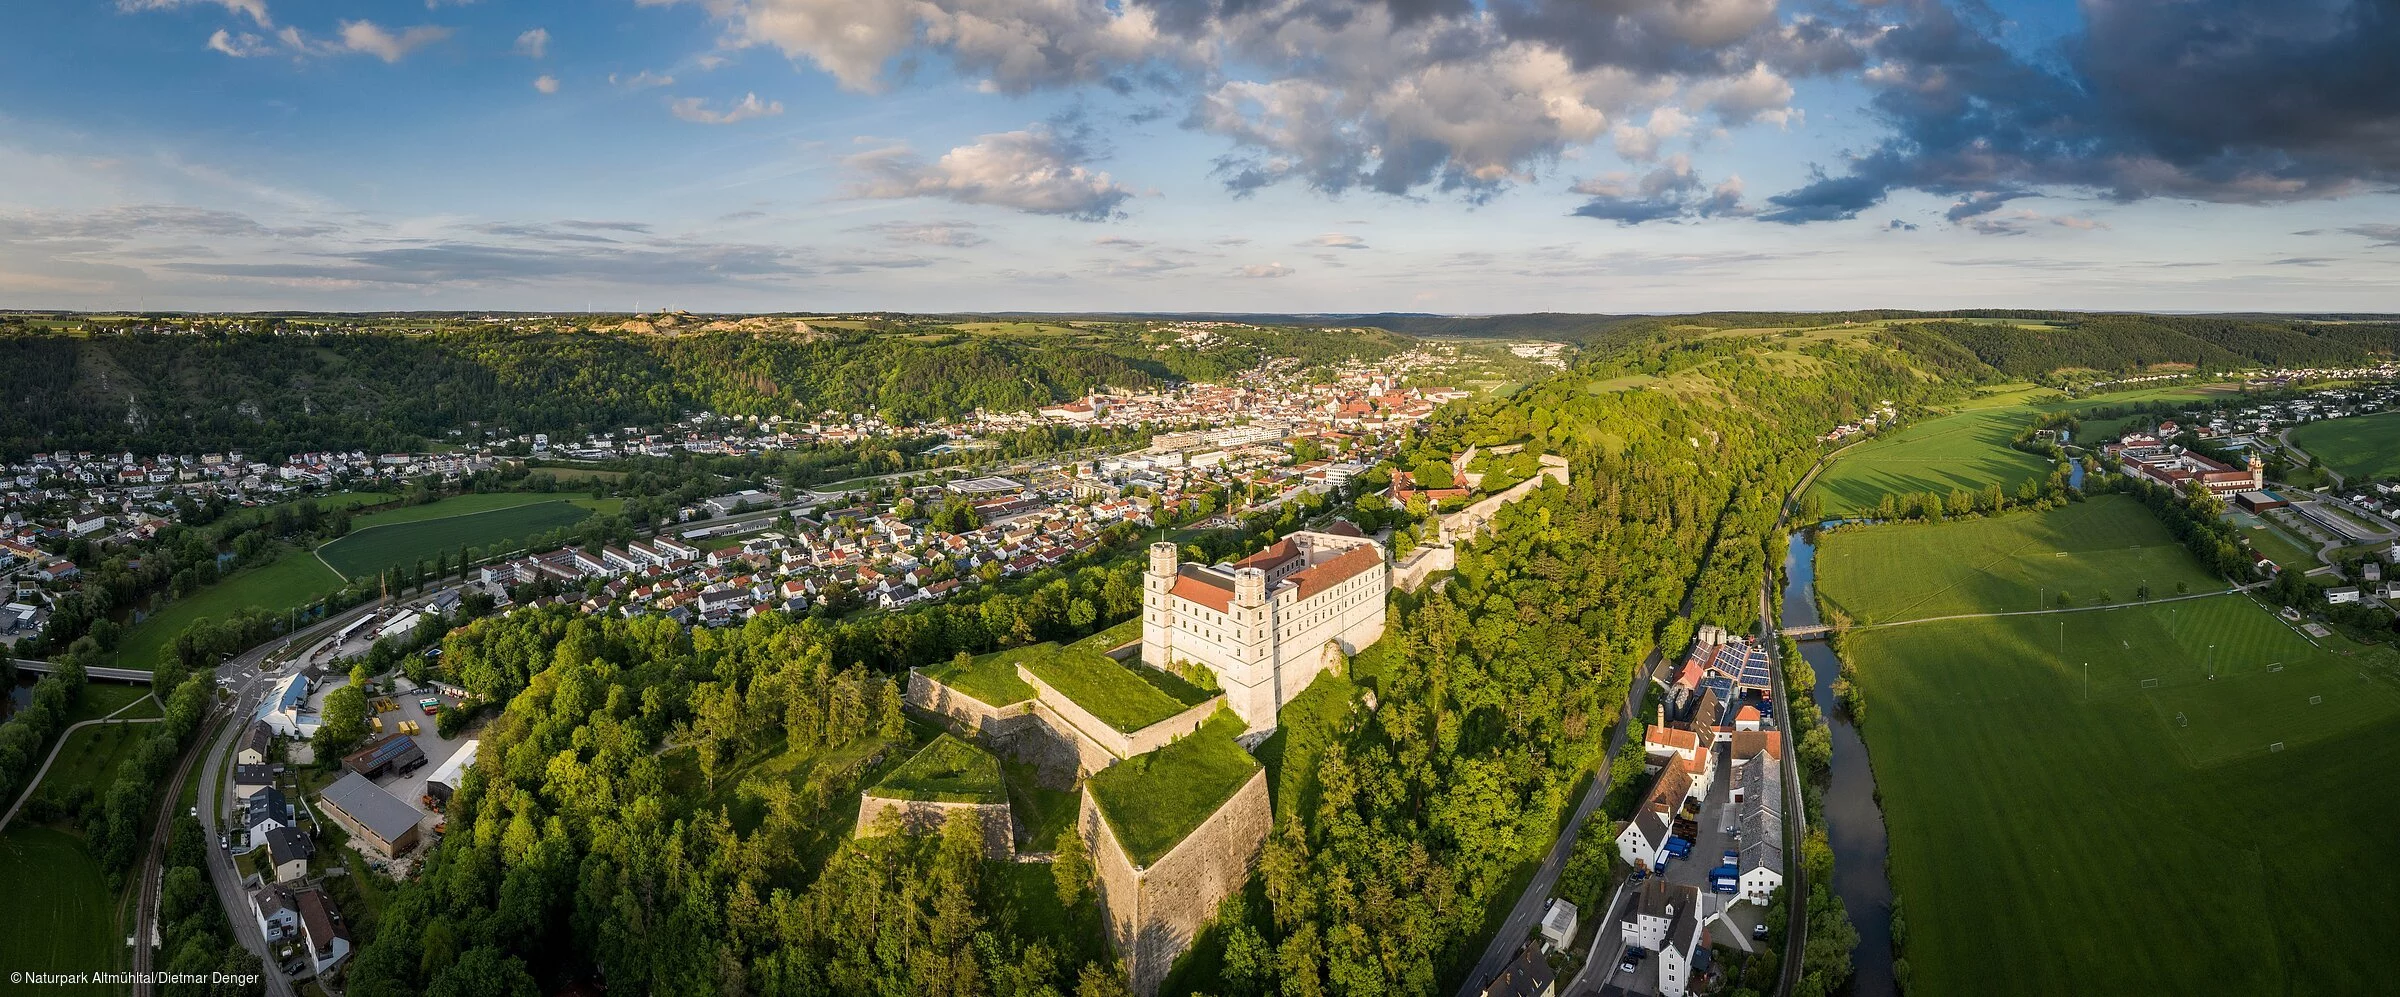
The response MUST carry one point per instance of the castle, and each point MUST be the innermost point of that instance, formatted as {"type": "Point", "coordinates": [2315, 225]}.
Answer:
{"type": "Point", "coordinates": [1266, 625]}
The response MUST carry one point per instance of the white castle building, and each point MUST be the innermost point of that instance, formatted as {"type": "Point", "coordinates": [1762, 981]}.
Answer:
{"type": "Point", "coordinates": [1267, 624]}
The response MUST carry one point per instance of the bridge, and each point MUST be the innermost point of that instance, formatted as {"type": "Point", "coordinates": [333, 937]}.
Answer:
{"type": "Point", "coordinates": [1811, 630]}
{"type": "Point", "coordinates": [105, 674]}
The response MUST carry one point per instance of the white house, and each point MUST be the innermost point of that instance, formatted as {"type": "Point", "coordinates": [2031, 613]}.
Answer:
{"type": "Point", "coordinates": [2340, 596]}
{"type": "Point", "coordinates": [282, 711]}
{"type": "Point", "coordinates": [1558, 924]}
{"type": "Point", "coordinates": [1671, 920]}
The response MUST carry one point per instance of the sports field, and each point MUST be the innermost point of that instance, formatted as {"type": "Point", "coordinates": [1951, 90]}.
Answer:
{"type": "Point", "coordinates": [62, 916]}
{"type": "Point", "coordinates": [288, 582]}
{"type": "Point", "coordinates": [2149, 829]}
{"type": "Point", "coordinates": [2361, 445]}
{"type": "Point", "coordinates": [1966, 451]}
{"type": "Point", "coordinates": [2108, 545]}
{"type": "Point", "coordinates": [393, 543]}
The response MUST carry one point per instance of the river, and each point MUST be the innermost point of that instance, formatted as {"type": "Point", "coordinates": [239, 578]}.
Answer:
{"type": "Point", "coordinates": [1853, 819]}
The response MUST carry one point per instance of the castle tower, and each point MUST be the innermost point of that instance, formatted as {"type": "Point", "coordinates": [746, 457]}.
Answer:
{"type": "Point", "coordinates": [2258, 473]}
{"type": "Point", "coordinates": [1158, 609]}
{"type": "Point", "coordinates": [1253, 687]}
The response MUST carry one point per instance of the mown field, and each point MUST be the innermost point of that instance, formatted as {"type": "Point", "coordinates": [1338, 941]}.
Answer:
{"type": "Point", "coordinates": [2053, 834]}
{"type": "Point", "coordinates": [2359, 446]}
{"type": "Point", "coordinates": [1968, 448]}
{"type": "Point", "coordinates": [369, 549]}
{"type": "Point", "coordinates": [61, 914]}
{"type": "Point", "coordinates": [1966, 451]}
{"type": "Point", "coordinates": [2100, 550]}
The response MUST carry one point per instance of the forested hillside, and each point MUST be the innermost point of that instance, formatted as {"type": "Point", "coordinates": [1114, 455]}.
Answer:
{"type": "Point", "coordinates": [381, 389]}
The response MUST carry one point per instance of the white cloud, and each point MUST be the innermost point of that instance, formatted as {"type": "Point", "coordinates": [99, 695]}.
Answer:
{"type": "Point", "coordinates": [1017, 44]}
{"type": "Point", "coordinates": [546, 83]}
{"type": "Point", "coordinates": [957, 235]}
{"type": "Point", "coordinates": [239, 46]}
{"type": "Point", "coordinates": [1266, 270]}
{"type": "Point", "coordinates": [376, 40]}
{"type": "Point", "coordinates": [1337, 240]}
{"type": "Point", "coordinates": [256, 10]}
{"type": "Point", "coordinates": [1640, 142]}
{"type": "Point", "coordinates": [1033, 170]}
{"type": "Point", "coordinates": [643, 80]}
{"type": "Point", "coordinates": [534, 44]}
{"type": "Point", "coordinates": [695, 109]}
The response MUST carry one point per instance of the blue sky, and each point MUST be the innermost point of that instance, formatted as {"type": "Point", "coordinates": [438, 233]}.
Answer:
{"type": "Point", "coordinates": [1468, 156]}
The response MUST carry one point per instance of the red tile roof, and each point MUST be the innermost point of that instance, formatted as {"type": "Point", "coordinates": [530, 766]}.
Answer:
{"type": "Point", "coordinates": [1341, 569]}
{"type": "Point", "coordinates": [1191, 589]}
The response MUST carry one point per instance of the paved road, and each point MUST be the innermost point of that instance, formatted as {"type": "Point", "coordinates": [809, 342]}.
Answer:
{"type": "Point", "coordinates": [36, 781]}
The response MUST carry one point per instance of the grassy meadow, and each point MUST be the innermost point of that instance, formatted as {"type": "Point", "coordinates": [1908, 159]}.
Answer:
{"type": "Point", "coordinates": [2007, 563]}
{"type": "Point", "coordinates": [2358, 446]}
{"type": "Point", "coordinates": [2140, 833]}
{"type": "Point", "coordinates": [371, 547]}
{"type": "Point", "coordinates": [286, 583]}
{"type": "Point", "coordinates": [61, 913]}
{"type": "Point", "coordinates": [1965, 451]}
{"type": "Point", "coordinates": [2161, 798]}
{"type": "Point", "coordinates": [1125, 697]}
{"type": "Point", "coordinates": [1152, 801]}
{"type": "Point", "coordinates": [947, 770]}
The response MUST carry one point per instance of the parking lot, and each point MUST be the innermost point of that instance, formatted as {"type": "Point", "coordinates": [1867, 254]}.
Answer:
{"type": "Point", "coordinates": [410, 786]}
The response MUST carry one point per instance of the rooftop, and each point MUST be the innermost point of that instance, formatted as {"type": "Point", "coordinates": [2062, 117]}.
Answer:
{"type": "Point", "coordinates": [367, 803]}
{"type": "Point", "coordinates": [1153, 801]}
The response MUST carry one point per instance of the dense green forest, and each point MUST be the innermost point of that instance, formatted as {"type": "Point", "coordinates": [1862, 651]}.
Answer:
{"type": "Point", "coordinates": [382, 389]}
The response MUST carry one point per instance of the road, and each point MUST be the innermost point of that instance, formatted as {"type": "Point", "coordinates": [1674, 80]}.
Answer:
{"type": "Point", "coordinates": [2284, 436]}
{"type": "Point", "coordinates": [36, 781]}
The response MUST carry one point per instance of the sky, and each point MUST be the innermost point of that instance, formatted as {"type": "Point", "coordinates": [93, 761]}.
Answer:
{"type": "Point", "coordinates": [1454, 156]}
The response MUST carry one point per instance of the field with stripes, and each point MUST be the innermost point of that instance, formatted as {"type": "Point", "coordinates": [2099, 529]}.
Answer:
{"type": "Point", "coordinates": [2104, 550]}
{"type": "Point", "coordinates": [2179, 797]}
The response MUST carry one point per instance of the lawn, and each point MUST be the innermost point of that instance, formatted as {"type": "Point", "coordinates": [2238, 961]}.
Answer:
{"type": "Point", "coordinates": [473, 502]}
{"type": "Point", "coordinates": [947, 770]}
{"type": "Point", "coordinates": [101, 699]}
{"type": "Point", "coordinates": [1113, 637]}
{"type": "Point", "coordinates": [1966, 451]}
{"type": "Point", "coordinates": [373, 548]}
{"type": "Point", "coordinates": [1126, 697]}
{"type": "Point", "coordinates": [989, 678]}
{"type": "Point", "coordinates": [1152, 801]}
{"type": "Point", "coordinates": [288, 582]}
{"type": "Point", "coordinates": [62, 914]}
{"type": "Point", "coordinates": [2275, 545]}
{"type": "Point", "coordinates": [2057, 834]}
{"type": "Point", "coordinates": [2099, 550]}
{"type": "Point", "coordinates": [92, 756]}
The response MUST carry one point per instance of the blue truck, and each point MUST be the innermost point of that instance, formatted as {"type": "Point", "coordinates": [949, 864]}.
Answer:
{"type": "Point", "coordinates": [1678, 848]}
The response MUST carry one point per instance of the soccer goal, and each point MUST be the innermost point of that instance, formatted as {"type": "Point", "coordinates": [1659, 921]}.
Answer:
{"type": "Point", "coordinates": [2316, 700]}
{"type": "Point", "coordinates": [2275, 747]}
{"type": "Point", "coordinates": [2182, 721]}
{"type": "Point", "coordinates": [2276, 667]}
{"type": "Point", "coordinates": [2149, 683]}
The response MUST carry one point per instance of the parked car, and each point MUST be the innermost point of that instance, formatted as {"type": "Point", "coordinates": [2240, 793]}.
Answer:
{"type": "Point", "coordinates": [1632, 960]}
{"type": "Point", "coordinates": [1758, 930]}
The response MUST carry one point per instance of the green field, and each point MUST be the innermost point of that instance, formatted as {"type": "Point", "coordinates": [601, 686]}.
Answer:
{"type": "Point", "coordinates": [286, 583]}
{"type": "Point", "coordinates": [91, 757]}
{"type": "Point", "coordinates": [460, 505]}
{"type": "Point", "coordinates": [989, 678]}
{"type": "Point", "coordinates": [61, 913]}
{"type": "Point", "coordinates": [948, 770]}
{"type": "Point", "coordinates": [1912, 571]}
{"type": "Point", "coordinates": [2271, 542]}
{"type": "Point", "coordinates": [2053, 834]}
{"type": "Point", "coordinates": [1125, 697]}
{"type": "Point", "coordinates": [101, 699]}
{"type": "Point", "coordinates": [1966, 451]}
{"type": "Point", "coordinates": [2358, 446]}
{"type": "Point", "coordinates": [1152, 801]}
{"type": "Point", "coordinates": [373, 548]}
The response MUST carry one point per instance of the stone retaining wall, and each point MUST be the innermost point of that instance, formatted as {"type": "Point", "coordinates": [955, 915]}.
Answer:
{"type": "Point", "coordinates": [965, 714]}
{"type": "Point", "coordinates": [928, 816]}
{"type": "Point", "coordinates": [1154, 913]}
{"type": "Point", "coordinates": [1101, 745]}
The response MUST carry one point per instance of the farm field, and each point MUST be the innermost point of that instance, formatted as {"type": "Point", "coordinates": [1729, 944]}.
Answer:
{"type": "Point", "coordinates": [286, 583]}
{"type": "Point", "coordinates": [63, 913]}
{"type": "Point", "coordinates": [1966, 451]}
{"type": "Point", "coordinates": [369, 549]}
{"type": "Point", "coordinates": [2358, 446]}
{"type": "Point", "coordinates": [2108, 545]}
{"type": "Point", "coordinates": [2147, 829]}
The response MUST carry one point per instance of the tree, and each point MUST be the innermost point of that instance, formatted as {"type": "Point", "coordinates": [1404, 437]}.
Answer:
{"type": "Point", "coordinates": [343, 725]}
{"type": "Point", "coordinates": [1071, 868]}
